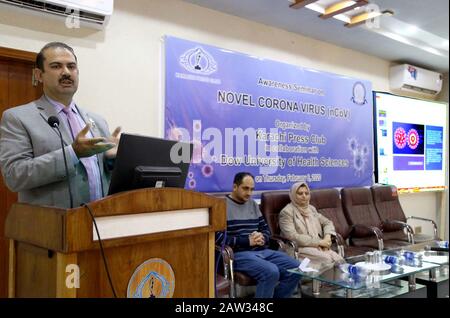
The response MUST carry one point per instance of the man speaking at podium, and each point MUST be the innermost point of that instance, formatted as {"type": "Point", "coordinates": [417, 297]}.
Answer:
{"type": "Point", "coordinates": [32, 161]}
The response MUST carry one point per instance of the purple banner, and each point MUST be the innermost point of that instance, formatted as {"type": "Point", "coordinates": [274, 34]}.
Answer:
{"type": "Point", "coordinates": [280, 122]}
{"type": "Point", "coordinates": [408, 163]}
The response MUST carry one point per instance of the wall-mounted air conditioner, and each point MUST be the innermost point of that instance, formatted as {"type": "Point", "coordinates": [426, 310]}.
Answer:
{"type": "Point", "coordinates": [89, 13]}
{"type": "Point", "coordinates": [414, 79]}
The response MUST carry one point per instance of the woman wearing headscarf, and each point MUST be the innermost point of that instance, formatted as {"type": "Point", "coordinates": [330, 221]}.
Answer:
{"type": "Point", "coordinates": [311, 231]}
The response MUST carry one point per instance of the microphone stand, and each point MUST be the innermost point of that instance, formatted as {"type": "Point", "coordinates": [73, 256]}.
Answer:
{"type": "Point", "coordinates": [55, 124]}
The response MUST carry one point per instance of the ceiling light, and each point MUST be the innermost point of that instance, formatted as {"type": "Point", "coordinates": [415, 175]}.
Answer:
{"type": "Point", "coordinates": [361, 18]}
{"type": "Point", "coordinates": [341, 7]}
{"type": "Point", "coordinates": [397, 37]}
{"type": "Point", "coordinates": [416, 44]}
{"type": "Point", "coordinates": [412, 29]}
{"type": "Point", "coordinates": [433, 51]}
{"type": "Point", "coordinates": [298, 4]}
{"type": "Point", "coordinates": [342, 17]}
{"type": "Point", "coordinates": [315, 7]}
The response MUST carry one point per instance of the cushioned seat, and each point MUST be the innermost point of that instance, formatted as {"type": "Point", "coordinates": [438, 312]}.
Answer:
{"type": "Point", "coordinates": [328, 202]}
{"type": "Point", "coordinates": [363, 217]}
{"type": "Point", "coordinates": [222, 287]}
{"type": "Point", "coordinates": [237, 281]}
{"type": "Point", "coordinates": [271, 205]}
{"type": "Point", "coordinates": [372, 243]}
{"type": "Point", "coordinates": [389, 209]}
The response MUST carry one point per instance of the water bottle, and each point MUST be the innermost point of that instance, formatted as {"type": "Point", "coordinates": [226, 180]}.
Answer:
{"type": "Point", "coordinates": [443, 244]}
{"type": "Point", "coordinates": [394, 260]}
{"type": "Point", "coordinates": [397, 269]}
{"type": "Point", "coordinates": [416, 262]}
{"type": "Point", "coordinates": [412, 258]}
{"type": "Point", "coordinates": [354, 270]}
{"type": "Point", "coordinates": [409, 256]}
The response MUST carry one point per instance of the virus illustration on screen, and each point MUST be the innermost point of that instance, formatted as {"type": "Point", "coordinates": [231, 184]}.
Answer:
{"type": "Point", "coordinates": [400, 138]}
{"type": "Point", "coordinates": [413, 138]}
{"type": "Point", "coordinates": [360, 154]}
{"type": "Point", "coordinates": [207, 171]}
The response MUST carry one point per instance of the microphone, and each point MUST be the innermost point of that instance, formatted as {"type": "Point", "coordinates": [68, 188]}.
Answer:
{"type": "Point", "coordinates": [53, 121]}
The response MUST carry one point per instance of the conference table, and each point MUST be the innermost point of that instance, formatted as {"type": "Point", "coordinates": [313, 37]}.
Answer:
{"type": "Point", "coordinates": [425, 278]}
{"type": "Point", "coordinates": [436, 280]}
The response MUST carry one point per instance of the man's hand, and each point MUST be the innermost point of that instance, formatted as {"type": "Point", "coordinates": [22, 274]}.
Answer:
{"type": "Point", "coordinates": [256, 239]}
{"type": "Point", "coordinates": [114, 138]}
{"type": "Point", "coordinates": [86, 147]}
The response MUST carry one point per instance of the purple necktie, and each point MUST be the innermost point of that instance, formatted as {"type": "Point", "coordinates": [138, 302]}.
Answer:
{"type": "Point", "coordinates": [89, 162]}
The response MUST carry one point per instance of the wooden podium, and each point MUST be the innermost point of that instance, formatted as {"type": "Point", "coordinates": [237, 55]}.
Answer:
{"type": "Point", "coordinates": [56, 253]}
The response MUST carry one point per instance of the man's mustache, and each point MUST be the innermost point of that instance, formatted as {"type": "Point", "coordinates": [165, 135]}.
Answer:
{"type": "Point", "coordinates": [65, 77]}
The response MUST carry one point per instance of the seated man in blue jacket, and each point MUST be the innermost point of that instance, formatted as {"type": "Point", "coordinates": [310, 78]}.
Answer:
{"type": "Point", "coordinates": [248, 235]}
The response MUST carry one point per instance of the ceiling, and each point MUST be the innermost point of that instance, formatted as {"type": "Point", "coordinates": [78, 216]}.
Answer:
{"type": "Point", "coordinates": [417, 32]}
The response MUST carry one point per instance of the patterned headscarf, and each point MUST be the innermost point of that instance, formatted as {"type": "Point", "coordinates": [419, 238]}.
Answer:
{"type": "Point", "coordinates": [305, 211]}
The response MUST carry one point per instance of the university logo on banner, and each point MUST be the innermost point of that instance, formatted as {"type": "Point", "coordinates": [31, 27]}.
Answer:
{"type": "Point", "coordinates": [198, 61]}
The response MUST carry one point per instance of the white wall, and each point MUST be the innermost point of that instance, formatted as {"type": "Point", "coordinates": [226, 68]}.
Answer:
{"type": "Point", "coordinates": [443, 96]}
{"type": "Point", "coordinates": [121, 66]}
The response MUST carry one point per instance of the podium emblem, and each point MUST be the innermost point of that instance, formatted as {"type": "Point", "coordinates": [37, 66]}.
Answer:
{"type": "Point", "coordinates": [152, 279]}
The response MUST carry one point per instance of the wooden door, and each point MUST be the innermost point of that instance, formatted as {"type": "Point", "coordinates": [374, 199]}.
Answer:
{"type": "Point", "coordinates": [16, 88]}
